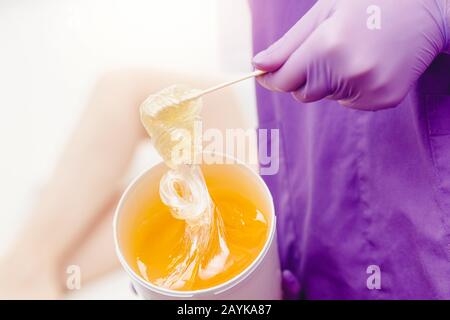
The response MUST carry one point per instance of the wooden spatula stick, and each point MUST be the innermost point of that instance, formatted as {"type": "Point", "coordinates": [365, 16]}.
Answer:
{"type": "Point", "coordinates": [255, 73]}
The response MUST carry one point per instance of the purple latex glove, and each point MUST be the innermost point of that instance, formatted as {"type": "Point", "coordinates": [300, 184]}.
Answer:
{"type": "Point", "coordinates": [340, 50]}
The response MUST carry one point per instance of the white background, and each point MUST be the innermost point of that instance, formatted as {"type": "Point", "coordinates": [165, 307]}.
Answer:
{"type": "Point", "coordinates": [52, 52]}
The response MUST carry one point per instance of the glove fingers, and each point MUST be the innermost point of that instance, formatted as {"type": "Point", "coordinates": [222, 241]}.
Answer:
{"type": "Point", "coordinates": [294, 72]}
{"type": "Point", "coordinates": [277, 54]}
{"type": "Point", "coordinates": [311, 92]}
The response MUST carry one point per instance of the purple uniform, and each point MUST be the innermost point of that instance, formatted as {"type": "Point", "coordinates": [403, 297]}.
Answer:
{"type": "Point", "coordinates": [359, 190]}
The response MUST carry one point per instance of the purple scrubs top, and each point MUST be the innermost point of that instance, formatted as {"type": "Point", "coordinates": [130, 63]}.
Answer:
{"type": "Point", "coordinates": [362, 198]}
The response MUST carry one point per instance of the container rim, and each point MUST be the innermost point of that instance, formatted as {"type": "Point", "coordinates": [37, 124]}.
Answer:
{"type": "Point", "coordinates": [193, 293]}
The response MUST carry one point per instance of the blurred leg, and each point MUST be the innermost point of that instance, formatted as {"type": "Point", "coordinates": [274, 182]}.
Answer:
{"type": "Point", "coordinates": [69, 224]}
{"type": "Point", "coordinates": [95, 256]}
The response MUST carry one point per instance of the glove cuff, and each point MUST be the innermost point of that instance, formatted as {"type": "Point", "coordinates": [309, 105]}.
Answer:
{"type": "Point", "coordinates": [446, 15]}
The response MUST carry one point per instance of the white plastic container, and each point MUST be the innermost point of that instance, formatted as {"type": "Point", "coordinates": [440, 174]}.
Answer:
{"type": "Point", "coordinates": [260, 280]}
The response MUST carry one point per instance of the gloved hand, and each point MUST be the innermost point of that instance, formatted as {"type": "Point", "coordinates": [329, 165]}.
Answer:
{"type": "Point", "coordinates": [340, 51]}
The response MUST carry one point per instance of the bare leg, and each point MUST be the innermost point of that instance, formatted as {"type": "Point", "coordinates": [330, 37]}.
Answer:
{"type": "Point", "coordinates": [95, 255]}
{"type": "Point", "coordinates": [69, 223]}
{"type": "Point", "coordinates": [88, 174]}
